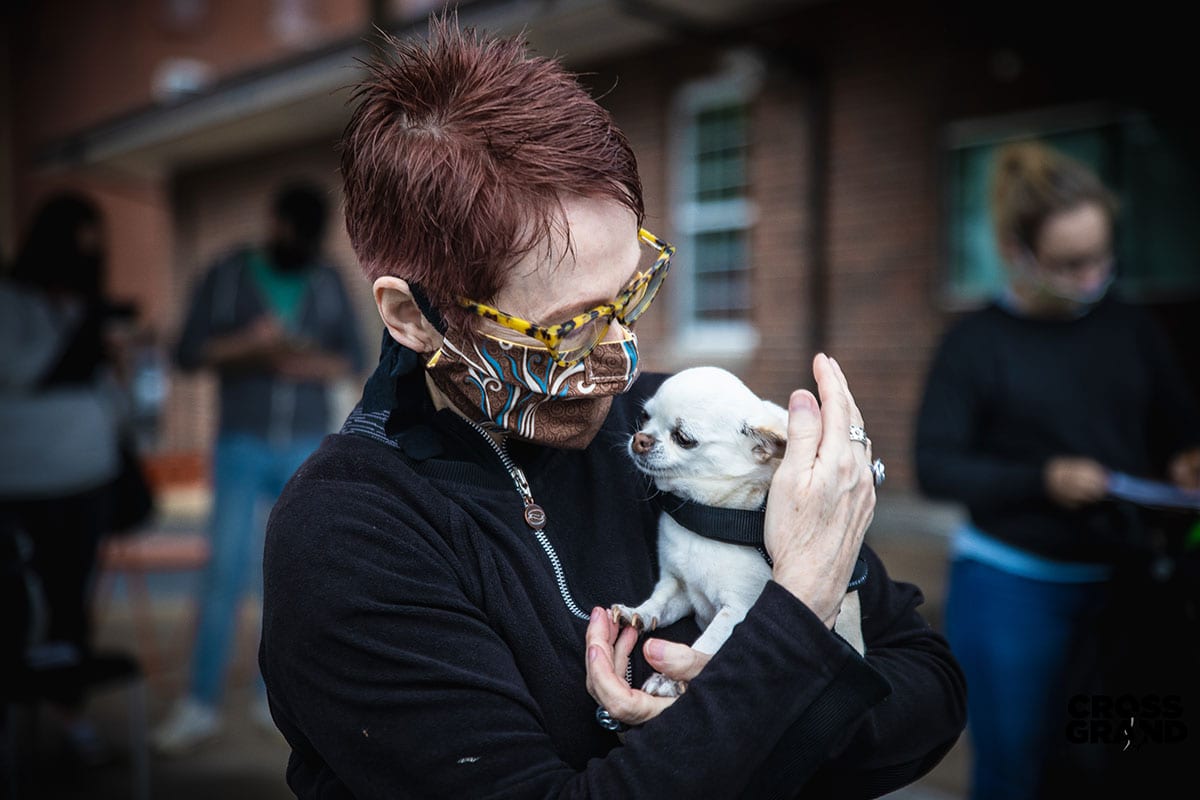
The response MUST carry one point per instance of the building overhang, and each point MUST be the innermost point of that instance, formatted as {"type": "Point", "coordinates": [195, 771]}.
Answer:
{"type": "Point", "coordinates": [308, 97]}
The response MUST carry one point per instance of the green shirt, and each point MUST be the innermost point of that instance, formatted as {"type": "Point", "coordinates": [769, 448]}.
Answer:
{"type": "Point", "coordinates": [282, 291]}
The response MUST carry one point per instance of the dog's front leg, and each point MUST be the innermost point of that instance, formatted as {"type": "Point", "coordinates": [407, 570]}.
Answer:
{"type": "Point", "coordinates": [708, 643]}
{"type": "Point", "coordinates": [719, 629]}
{"type": "Point", "coordinates": [667, 604]}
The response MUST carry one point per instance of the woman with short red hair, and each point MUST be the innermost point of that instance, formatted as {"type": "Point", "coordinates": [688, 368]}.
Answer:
{"type": "Point", "coordinates": [437, 574]}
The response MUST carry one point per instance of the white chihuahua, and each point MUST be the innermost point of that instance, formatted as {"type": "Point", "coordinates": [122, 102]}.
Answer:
{"type": "Point", "coordinates": [708, 441]}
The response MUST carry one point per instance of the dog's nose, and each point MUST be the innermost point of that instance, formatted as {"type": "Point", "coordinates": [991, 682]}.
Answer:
{"type": "Point", "coordinates": [642, 442]}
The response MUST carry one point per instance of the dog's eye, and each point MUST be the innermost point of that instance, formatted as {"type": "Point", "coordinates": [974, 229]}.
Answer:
{"type": "Point", "coordinates": [682, 439]}
{"type": "Point", "coordinates": [642, 419]}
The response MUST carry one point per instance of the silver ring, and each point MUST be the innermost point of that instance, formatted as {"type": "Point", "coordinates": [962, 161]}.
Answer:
{"type": "Point", "coordinates": [608, 722]}
{"type": "Point", "coordinates": [878, 471]}
{"type": "Point", "coordinates": [857, 434]}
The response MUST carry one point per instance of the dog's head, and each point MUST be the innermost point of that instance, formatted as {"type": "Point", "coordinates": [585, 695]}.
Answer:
{"type": "Point", "coordinates": [705, 436]}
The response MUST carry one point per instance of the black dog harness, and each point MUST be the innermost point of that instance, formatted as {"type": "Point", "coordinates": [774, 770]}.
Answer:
{"type": "Point", "coordinates": [734, 526]}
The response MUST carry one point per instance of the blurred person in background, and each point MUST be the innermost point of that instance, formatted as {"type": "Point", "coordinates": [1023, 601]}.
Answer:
{"type": "Point", "coordinates": [1030, 404]}
{"type": "Point", "coordinates": [60, 415]}
{"type": "Point", "coordinates": [276, 325]}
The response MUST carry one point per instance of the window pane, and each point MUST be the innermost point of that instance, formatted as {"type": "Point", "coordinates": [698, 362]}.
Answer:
{"type": "Point", "coordinates": [720, 155]}
{"type": "Point", "coordinates": [721, 276]}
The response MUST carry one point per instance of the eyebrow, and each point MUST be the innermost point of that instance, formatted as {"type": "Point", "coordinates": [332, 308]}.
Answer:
{"type": "Point", "coordinates": [575, 309]}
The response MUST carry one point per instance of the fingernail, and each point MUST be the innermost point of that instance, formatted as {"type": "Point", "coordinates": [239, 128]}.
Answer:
{"type": "Point", "coordinates": [592, 653]}
{"type": "Point", "coordinates": [801, 401]}
{"type": "Point", "coordinates": [596, 613]}
{"type": "Point", "coordinates": [656, 649]}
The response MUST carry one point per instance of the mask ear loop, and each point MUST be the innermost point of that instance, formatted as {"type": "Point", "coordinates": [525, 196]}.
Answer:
{"type": "Point", "coordinates": [427, 310]}
{"type": "Point", "coordinates": [431, 314]}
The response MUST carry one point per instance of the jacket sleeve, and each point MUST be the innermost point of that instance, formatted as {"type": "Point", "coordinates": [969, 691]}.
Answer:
{"type": "Point", "coordinates": [949, 464]}
{"type": "Point", "coordinates": [347, 338]}
{"type": "Point", "coordinates": [384, 669]}
{"type": "Point", "coordinates": [198, 324]}
{"type": "Point", "coordinates": [901, 739]}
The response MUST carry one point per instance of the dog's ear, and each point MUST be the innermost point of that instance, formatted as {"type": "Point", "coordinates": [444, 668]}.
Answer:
{"type": "Point", "coordinates": [768, 429]}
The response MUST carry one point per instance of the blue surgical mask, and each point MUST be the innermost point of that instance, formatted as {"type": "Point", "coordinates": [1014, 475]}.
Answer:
{"type": "Point", "coordinates": [1037, 278]}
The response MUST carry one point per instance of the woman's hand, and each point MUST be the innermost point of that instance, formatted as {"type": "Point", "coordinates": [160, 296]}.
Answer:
{"type": "Point", "coordinates": [608, 649]}
{"type": "Point", "coordinates": [1184, 469]}
{"type": "Point", "coordinates": [822, 497]}
{"type": "Point", "coordinates": [1075, 482]}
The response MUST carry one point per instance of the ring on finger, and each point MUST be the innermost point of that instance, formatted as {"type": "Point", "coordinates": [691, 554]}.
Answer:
{"type": "Point", "coordinates": [608, 721]}
{"type": "Point", "coordinates": [857, 434]}
{"type": "Point", "coordinates": [878, 472]}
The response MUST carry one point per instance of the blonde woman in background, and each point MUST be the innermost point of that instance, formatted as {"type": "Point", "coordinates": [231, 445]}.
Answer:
{"type": "Point", "coordinates": [1030, 404]}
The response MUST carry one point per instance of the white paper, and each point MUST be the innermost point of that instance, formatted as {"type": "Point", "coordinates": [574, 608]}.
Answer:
{"type": "Point", "coordinates": [1152, 493]}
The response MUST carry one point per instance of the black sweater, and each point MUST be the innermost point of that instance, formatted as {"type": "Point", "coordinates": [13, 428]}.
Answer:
{"type": "Point", "coordinates": [1006, 393]}
{"type": "Point", "coordinates": [416, 642]}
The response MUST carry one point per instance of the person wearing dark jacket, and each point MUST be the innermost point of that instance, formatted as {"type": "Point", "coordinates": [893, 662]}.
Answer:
{"type": "Point", "coordinates": [1030, 405]}
{"type": "Point", "coordinates": [437, 574]}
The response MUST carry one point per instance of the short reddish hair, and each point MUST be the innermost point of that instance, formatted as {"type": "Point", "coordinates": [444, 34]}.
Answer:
{"type": "Point", "coordinates": [457, 156]}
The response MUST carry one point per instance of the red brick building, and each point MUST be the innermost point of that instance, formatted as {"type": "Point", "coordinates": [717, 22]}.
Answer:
{"type": "Point", "coordinates": [813, 161]}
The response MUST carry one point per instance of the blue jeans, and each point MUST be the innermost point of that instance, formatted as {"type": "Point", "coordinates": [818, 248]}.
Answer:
{"type": "Point", "coordinates": [248, 475]}
{"type": "Point", "coordinates": [1026, 646]}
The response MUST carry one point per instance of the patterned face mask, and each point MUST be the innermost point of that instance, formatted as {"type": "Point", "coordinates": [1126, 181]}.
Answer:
{"type": "Point", "coordinates": [519, 389]}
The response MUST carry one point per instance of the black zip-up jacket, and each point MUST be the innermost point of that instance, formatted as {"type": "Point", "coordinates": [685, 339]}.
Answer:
{"type": "Point", "coordinates": [1006, 393]}
{"type": "Point", "coordinates": [417, 640]}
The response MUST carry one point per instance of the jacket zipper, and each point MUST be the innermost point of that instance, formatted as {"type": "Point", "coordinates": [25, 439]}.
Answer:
{"type": "Point", "coordinates": [535, 518]}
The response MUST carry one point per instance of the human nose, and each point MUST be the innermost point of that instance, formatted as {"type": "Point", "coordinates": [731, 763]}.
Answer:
{"type": "Point", "coordinates": [616, 332]}
{"type": "Point", "coordinates": [642, 442]}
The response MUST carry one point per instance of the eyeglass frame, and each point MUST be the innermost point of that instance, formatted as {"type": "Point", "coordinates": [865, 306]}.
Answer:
{"type": "Point", "coordinates": [1073, 266]}
{"type": "Point", "coordinates": [552, 335]}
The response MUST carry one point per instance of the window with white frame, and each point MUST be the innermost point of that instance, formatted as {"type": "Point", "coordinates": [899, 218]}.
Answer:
{"type": "Point", "coordinates": [713, 212]}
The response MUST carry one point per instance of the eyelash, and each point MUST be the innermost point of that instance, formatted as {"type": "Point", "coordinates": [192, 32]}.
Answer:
{"type": "Point", "coordinates": [642, 419]}
{"type": "Point", "coordinates": [683, 440]}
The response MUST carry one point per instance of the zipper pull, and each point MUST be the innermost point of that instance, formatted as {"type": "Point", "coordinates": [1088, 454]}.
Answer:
{"type": "Point", "coordinates": [535, 515]}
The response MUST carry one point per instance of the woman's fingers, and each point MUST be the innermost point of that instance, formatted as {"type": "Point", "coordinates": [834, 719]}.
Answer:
{"type": "Point", "coordinates": [626, 639]}
{"type": "Point", "coordinates": [607, 651]}
{"type": "Point", "coordinates": [601, 630]}
{"type": "Point", "coordinates": [835, 409]}
{"type": "Point", "coordinates": [803, 432]}
{"type": "Point", "coordinates": [856, 417]}
{"type": "Point", "coordinates": [622, 702]}
{"type": "Point", "coordinates": [677, 661]}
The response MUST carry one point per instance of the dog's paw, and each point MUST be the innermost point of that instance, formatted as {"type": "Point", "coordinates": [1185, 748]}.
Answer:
{"type": "Point", "coordinates": [660, 685]}
{"type": "Point", "coordinates": [624, 615]}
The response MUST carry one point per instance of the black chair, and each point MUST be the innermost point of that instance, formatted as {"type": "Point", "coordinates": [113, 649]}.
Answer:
{"type": "Point", "coordinates": [26, 686]}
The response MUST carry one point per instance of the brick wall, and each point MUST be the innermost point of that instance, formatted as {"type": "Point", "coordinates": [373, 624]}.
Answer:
{"type": "Point", "coordinates": [883, 215]}
{"type": "Point", "coordinates": [881, 237]}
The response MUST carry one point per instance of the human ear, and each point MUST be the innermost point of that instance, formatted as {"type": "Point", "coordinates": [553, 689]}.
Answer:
{"type": "Point", "coordinates": [404, 320]}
